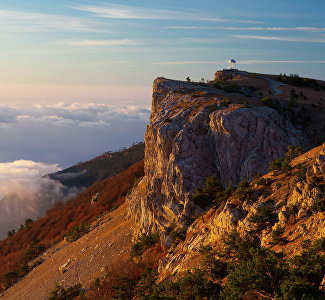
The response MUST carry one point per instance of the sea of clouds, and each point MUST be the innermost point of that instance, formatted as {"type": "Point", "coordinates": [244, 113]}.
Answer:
{"type": "Point", "coordinates": [42, 139]}
{"type": "Point", "coordinates": [68, 133]}
{"type": "Point", "coordinates": [26, 192]}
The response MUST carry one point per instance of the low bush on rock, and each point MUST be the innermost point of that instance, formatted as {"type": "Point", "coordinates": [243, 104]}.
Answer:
{"type": "Point", "coordinates": [143, 243]}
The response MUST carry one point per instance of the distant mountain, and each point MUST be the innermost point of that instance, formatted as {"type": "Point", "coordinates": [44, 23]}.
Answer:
{"type": "Point", "coordinates": [106, 165]}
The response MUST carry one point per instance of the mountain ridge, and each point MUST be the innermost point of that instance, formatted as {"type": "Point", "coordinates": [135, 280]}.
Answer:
{"type": "Point", "coordinates": [205, 146]}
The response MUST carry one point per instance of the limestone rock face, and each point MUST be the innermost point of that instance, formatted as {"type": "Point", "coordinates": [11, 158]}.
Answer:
{"type": "Point", "coordinates": [192, 135]}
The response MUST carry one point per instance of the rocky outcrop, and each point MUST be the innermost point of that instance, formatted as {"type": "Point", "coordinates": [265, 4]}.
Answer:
{"type": "Point", "coordinates": [293, 204]}
{"type": "Point", "coordinates": [194, 134]}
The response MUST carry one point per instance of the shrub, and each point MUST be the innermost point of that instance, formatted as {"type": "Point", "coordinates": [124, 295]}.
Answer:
{"type": "Point", "coordinates": [265, 216]}
{"type": "Point", "coordinates": [9, 279]}
{"type": "Point", "coordinates": [293, 152]}
{"type": "Point", "coordinates": [143, 243]}
{"type": "Point", "coordinates": [301, 175]}
{"type": "Point", "coordinates": [217, 85]}
{"type": "Point", "coordinates": [242, 189]}
{"type": "Point", "coordinates": [273, 103]}
{"type": "Point", "coordinates": [263, 181]}
{"type": "Point", "coordinates": [238, 247]}
{"type": "Point", "coordinates": [256, 277]}
{"type": "Point", "coordinates": [215, 268]}
{"type": "Point", "coordinates": [319, 204]}
{"type": "Point", "coordinates": [77, 232]}
{"type": "Point", "coordinates": [60, 293]}
{"type": "Point", "coordinates": [296, 80]}
{"type": "Point", "coordinates": [178, 234]}
{"type": "Point", "coordinates": [279, 165]}
{"type": "Point", "coordinates": [33, 250]}
{"type": "Point", "coordinates": [283, 164]}
{"type": "Point", "coordinates": [205, 196]}
{"type": "Point", "coordinates": [277, 236]}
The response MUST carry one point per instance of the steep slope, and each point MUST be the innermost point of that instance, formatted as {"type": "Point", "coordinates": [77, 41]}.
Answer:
{"type": "Point", "coordinates": [194, 133]}
{"type": "Point", "coordinates": [50, 229]}
{"type": "Point", "coordinates": [106, 246]}
{"type": "Point", "coordinates": [296, 198]}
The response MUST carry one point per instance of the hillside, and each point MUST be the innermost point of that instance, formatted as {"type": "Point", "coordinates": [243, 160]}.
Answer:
{"type": "Point", "coordinates": [63, 186]}
{"type": "Point", "coordinates": [106, 165]}
{"type": "Point", "coordinates": [231, 204]}
{"type": "Point", "coordinates": [51, 228]}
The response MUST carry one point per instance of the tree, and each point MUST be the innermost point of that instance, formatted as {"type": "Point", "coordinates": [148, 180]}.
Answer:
{"type": "Point", "coordinates": [265, 216]}
{"type": "Point", "coordinates": [259, 276]}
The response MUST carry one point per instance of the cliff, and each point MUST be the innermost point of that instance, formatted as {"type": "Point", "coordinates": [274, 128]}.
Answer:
{"type": "Point", "coordinates": [194, 132]}
{"type": "Point", "coordinates": [293, 199]}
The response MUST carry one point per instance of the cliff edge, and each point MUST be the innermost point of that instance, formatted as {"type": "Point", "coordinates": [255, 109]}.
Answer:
{"type": "Point", "coordinates": [195, 132]}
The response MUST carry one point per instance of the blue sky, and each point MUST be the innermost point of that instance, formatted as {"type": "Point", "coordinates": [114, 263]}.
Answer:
{"type": "Point", "coordinates": [77, 75]}
{"type": "Point", "coordinates": [77, 44]}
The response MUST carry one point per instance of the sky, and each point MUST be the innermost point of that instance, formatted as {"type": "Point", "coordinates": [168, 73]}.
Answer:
{"type": "Point", "coordinates": [76, 76]}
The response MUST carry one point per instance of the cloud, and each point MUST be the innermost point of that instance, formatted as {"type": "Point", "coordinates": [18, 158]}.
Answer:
{"type": "Point", "coordinates": [68, 133]}
{"type": "Point", "coordinates": [124, 42]}
{"type": "Point", "coordinates": [308, 29]}
{"type": "Point", "coordinates": [113, 11]}
{"type": "Point", "coordinates": [304, 29]}
{"type": "Point", "coordinates": [278, 38]}
{"type": "Point", "coordinates": [242, 62]}
{"type": "Point", "coordinates": [25, 192]}
{"type": "Point", "coordinates": [57, 135]}
{"type": "Point", "coordinates": [19, 21]}
{"type": "Point", "coordinates": [17, 177]}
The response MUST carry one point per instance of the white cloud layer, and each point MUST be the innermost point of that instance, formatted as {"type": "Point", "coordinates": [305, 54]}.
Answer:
{"type": "Point", "coordinates": [20, 21]}
{"type": "Point", "coordinates": [114, 11]}
{"type": "Point", "coordinates": [301, 28]}
{"type": "Point", "coordinates": [25, 192]}
{"type": "Point", "coordinates": [68, 133]}
{"type": "Point", "coordinates": [279, 38]}
{"type": "Point", "coordinates": [124, 42]}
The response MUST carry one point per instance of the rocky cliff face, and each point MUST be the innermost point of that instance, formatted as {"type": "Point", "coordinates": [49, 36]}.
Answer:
{"type": "Point", "coordinates": [193, 133]}
{"type": "Point", "coordinates": [294, 206]}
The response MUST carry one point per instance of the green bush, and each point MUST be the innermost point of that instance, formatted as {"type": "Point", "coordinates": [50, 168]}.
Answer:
{"type": "Point", "coordinates": [283, 164]}
{"type": "Point", "coordinates": [265, 216]}
{"type": "Point", "coordinates": [259, 272]}
{"type": "Point", "coordinates": [60, 293]}
{"type": "Point", "coordinates": [33, 251]}
{"type": "Point", "coordinates": [215, 268]}
{"type": "Point", "coordinates": [143, 243]}
{"type": "Point", "coordinates": [296, 80]}
{"type": "Point", "coordinates": [207, 195]}
{"type": "Point", "coordinates": [77, 232]}
{"type": "Point", "coordinates": [239, 247]}
{"type": "Point", "coordinates": [277, 237]}
{"type": "Point", "coordinates": [301, 175]}
{"type": "Point", "coordinates": [242, 191]}
{"type": "Point", "coordinates": [258, 276]}
{"type": "Point", "coordinates": [319, 204]}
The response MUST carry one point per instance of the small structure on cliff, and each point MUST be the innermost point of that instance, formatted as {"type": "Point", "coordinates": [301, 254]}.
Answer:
{"type": "Point", "coordinates": [232, 64]}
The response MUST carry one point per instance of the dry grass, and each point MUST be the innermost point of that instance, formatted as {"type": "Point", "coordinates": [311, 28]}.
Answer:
{"type": "Point", "coordinates": [51, 228]}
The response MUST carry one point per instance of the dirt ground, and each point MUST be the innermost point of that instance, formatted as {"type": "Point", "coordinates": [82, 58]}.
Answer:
{"type": "Point", "coordinates": [79, 262]}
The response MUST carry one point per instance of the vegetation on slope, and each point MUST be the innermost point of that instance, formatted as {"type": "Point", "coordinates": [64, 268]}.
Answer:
{"type": "Point", "coordinates": [243, 270]}
{"type": "Point", "coordinates": [59, 221]}
{"type": "Point", "coordinates": [106, 165]}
